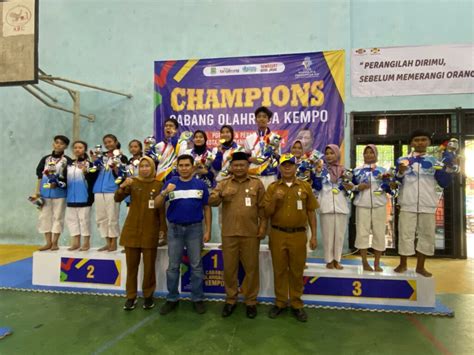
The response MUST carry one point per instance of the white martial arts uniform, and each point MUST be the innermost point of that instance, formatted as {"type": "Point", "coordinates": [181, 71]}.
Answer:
{"type": "Point", "coordinates": [418, 201]}
{"type": "Point", "coordinates": [78, 220]}
{"type": "Point", "coordinates": [370, 208]}
{"type": "Point", "coordinates": [254, 145]}
{"type": "Point", "coordinates": [334, 216]}
{"type": "Point", "coordinates": [51, 218]}
{"type": "Point", "coordinates": [107, 215]}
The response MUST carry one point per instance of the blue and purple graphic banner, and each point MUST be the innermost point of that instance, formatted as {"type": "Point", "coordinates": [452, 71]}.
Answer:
{"type": "Point", "coordinates": [83, 270]}
{"type": "Point", "coordinates": [305, 91]}
{"type": "Point", "coordinates": [350, 287]}
{"type": "Point", "coordinates": [213, 266]}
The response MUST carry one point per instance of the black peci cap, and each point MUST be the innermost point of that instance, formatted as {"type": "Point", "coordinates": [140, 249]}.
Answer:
{"type": "Point", "coordinates": [420, 133]}
{"type": "Point", "coordinates": [240, 156]}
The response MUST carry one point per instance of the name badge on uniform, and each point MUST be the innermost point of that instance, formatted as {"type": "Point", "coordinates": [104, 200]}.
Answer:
{"type": "Point", "coordinates": [151, 201]}
{"type": "Point", "coordinates": [248, 202]}
{"type": "Point", "coordinates": [299, 205]}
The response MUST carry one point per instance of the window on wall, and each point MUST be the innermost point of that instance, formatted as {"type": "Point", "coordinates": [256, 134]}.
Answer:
{"type": "Point", "coordinates": [385, 155]}
{"type": "Point", "coordinates": [468, 154]}
{"type": "Point", "coordinates": [431, 150]}
{"type": "Point", "coordinates": [401, 124]}
{"type": "Point", "coordinates": [468, 124]}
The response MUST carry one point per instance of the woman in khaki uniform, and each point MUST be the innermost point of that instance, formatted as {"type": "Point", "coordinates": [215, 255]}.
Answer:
{"type": "Point", "coordinates": [140, 231]}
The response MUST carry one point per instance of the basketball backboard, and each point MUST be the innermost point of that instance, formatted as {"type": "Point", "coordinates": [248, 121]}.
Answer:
{"type": "Point", "coordinates": [18, 42]}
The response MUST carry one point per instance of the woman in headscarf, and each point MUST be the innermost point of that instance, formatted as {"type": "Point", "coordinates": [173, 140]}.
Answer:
{"type": "Point", "coordinates": [140, 231]}
{"type": "Point", "coordinates": [306, 163]}
{"type": "Point", "coordinates": [203, 158]}
{"type": "Point", "coordinates": [223, 152]}
{"type": "Point", "coordinates": [334, 206]}
{"type": "Point", "coordinates": [371, 202]}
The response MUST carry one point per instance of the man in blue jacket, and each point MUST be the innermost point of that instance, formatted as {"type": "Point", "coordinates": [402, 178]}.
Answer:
{"type": "Point", "coordinates": [418, 200]}
{"type": "Point", "coordinates": [188, 206]}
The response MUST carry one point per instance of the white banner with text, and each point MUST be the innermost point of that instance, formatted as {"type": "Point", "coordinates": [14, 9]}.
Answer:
{"type": "Point", "coordinates": [417, 70]}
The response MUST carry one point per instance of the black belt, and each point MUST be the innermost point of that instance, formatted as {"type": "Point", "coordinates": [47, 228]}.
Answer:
{"type": "Point", "coordinates": [289, 230]}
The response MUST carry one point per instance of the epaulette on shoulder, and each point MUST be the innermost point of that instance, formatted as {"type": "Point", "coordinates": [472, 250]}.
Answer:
{"type": "Point", "coordinates": [273, 183]}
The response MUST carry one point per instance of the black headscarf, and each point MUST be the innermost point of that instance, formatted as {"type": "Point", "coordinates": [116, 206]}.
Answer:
{"type": "Point", "coordinates": [200, 149]}
{"type": "Point", "coordinates": [229, 143]}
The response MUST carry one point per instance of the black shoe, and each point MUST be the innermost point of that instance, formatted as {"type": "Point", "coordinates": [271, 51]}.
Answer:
{"type": "Point", "coordinates": [168, 307]}
{"type": "Point", "coordinates": [275, 311]}
{"type": "Point", "coordinates": [251, 312]}
{"type": "Point", "coordinates": [228, 309]}
{"type": "Point", "coordinates": [299, 314]}
{"type": "Point", "coordinates": [130, 304]}
{"type": "Point", "coordinates": [149, 303]}
{"type": "Point", "coordinates": [199, 307]}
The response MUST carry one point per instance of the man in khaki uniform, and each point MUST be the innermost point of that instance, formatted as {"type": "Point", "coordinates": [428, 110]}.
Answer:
{"type": "Point", "coordinates": [290, 203]}
{"type": "Point", "coordinates": [244, 225]}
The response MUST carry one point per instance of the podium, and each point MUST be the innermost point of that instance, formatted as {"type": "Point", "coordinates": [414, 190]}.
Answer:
{"type": "Point", "coordinates": [90, 270]}
{"type": "Point", "coordinates": [108, 271]}
{"type": "Point", "coordinates": [353, 285]}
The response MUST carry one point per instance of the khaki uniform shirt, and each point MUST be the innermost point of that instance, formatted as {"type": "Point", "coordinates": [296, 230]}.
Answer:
{"type": "Point", "coordinates": [288, 212]}
{"type": "Point", "coordinates": [242, 205]}
{"type": "Point", "coordinates": [143, 224]}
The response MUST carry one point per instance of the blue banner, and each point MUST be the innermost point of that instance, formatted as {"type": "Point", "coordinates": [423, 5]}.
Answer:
{"type": "Point", "coordinates": [97, 271]}
{"type": "Point", "coordinates": [351, 287]}
{"type": "Point", "coordinates": [213, 266]}
{"type": "Point", "coordinates": [305, 91]}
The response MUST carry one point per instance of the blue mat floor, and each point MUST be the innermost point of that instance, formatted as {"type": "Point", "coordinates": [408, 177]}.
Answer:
{"type": "Point", "coordinates": [17, 276]}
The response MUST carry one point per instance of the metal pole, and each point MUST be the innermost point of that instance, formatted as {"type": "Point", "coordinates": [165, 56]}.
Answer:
{"type": "Point", "coordinates": [75, 96]}
{"type": "Point", "coordinates": [76, 120]}
{"type": "Point", "coordinates": [49, 77]}
{"type": "Point", "coordinates": [50, 82]}
{"type": "Point", "coordinates": [91, 118]}
{"type": "Point", "coordinates": [44, 93]}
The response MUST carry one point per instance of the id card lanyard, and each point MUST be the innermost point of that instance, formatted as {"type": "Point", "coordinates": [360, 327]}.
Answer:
{"type": "Point", "coordinates": [151, 201]}
{"type": "Point", "coordinates": [248, 200]}
{"type": "Point", "coordinates": [299, 201]}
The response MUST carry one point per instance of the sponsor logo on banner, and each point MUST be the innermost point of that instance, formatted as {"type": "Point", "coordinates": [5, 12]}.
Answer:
{"type": "Point", "coordinates": [362, 51]}
{"type": "Point", "coordinates": [249, 69]}
{"type": "Point", "coordinates": [307, 71]}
